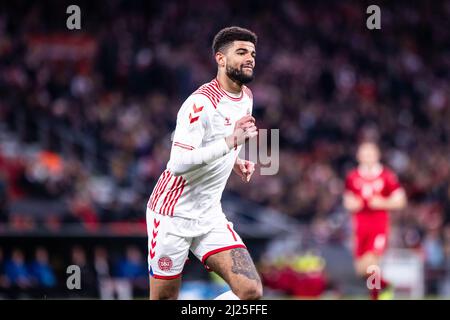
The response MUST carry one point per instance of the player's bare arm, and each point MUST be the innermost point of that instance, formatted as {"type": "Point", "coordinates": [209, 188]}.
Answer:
{"type": "Point", "coordinates": [352, 202]}
{"type": "Point", "coordinates": [396, 201]}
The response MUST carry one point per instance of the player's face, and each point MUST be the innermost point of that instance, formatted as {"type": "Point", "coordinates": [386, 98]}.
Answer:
{"type": "Point", "coordinates": [368, 154]}
{"type": "Point", "coordinates": [240, 61]}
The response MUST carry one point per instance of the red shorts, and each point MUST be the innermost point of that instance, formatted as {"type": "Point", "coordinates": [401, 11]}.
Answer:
{"type": "Point", "coordinates": [371, 234]}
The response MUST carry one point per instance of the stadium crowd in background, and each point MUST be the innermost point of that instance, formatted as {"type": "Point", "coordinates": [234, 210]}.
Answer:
{"type": "Point", "coordinates": [106, 274]}
{"type": "Point", "coordinates": [93, 110]}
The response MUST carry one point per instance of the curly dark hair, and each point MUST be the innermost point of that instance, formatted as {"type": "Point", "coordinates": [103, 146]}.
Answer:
{"type": "Point", "coordinates": [227, 35]}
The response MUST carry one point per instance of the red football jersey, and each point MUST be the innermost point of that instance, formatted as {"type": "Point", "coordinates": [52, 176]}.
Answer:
{"type": "Point", "coordinates": [371, 226]}
{"type": "Point", "coordinates": [381, 185]}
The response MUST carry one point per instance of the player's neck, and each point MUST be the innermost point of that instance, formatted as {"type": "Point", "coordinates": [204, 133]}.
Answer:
{"type": "Point", "coordinates": [370, 171]}
{"type": "Point", "coordinates": [228, 85]}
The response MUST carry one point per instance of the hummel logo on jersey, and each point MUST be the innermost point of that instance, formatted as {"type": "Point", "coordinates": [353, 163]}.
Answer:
{"type": "Point", "coordinates": [227, 121]}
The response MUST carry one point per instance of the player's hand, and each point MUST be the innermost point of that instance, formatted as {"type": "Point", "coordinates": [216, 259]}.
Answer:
{"type": "Point", "coordinates": [352, 202]}
{"type": "Point", "coordinates": [377, 203]}
{"type": "Point", "coordinates": [244, 169]}
{"type": "Point", "coordinates": [244, 129]}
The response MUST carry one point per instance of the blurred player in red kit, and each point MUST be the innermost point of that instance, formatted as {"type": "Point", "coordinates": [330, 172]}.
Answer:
{"type": "Point", "coordinates": [372, 190]}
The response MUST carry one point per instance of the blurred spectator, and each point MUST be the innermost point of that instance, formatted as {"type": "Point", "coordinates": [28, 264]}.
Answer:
{"type": "Point", "coordinates": [81, 212]}
{"type": "Point", "coordinates": [42, 272]}
{"type": "Point", "coordinates": [18, 274]}
{"type": "Point", "coordinates": [103, 266]}
{"type": "Point", "coordinates": [88, 279]}
{"type": "Point", "coordinates": [3, 201]}
{"type": "Point", "coordinates": [434, 261]}
{"type": "Point", "coordinates": [445, 287]}
{"type": "Point", "coordinates": [4, 281]}
{"type": "Point", "coordinates": [93, 115]}
{"type": "Point", "coordinates": [434, 250]}
{"type": "Point", "coordinates": [134, 268]}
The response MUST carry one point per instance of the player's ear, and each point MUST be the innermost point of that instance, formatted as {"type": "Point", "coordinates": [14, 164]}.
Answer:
{"type": "Point", "coordinates": [220, 59]}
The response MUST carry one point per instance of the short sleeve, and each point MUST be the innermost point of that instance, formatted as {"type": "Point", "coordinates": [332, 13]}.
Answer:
{"type": "Point", "coordinates": [349, 183]}
{"type": "Point", "coordinates": [391, 183]}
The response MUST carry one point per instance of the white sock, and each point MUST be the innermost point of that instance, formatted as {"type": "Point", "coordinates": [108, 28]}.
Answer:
{"type": "Point", "coordinates": [229, 295]}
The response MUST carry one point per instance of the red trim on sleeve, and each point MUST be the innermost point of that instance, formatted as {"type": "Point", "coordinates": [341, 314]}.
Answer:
{"type": "Point", "coordinates": [184, 146]}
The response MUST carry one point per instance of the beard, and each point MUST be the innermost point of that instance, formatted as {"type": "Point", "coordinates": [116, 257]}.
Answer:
{"type": "Point", "coordinates": [238, 75]}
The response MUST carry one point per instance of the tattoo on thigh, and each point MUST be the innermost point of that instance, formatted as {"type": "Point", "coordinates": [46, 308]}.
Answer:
{"type": "Point", "coordinates": [243, 264]}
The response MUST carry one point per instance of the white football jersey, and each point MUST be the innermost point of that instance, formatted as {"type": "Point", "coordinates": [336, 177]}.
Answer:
{"type": "Point", "coordinates": [207, 115]}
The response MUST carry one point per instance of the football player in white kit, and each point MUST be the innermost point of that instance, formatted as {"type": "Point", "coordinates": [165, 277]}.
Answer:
{"type": "Point", "coordinates": [184, 210]}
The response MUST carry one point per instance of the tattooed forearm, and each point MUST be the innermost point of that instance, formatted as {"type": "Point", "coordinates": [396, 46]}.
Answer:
{"type": "Point", "coordinates": [243, 264]}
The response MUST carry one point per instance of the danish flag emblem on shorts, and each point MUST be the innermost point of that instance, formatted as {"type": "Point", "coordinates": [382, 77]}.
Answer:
{"type": "Point", "coordinates": [165, 263]}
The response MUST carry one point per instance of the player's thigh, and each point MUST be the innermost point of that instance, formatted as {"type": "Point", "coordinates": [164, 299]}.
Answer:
{"type": "Point", "coordinates": [222, 250]}
{"type": "Point", "coordinates": [371, 247]}
{"type": "Point", "coordinates": [235, 266]}
{"type": "Point", "coordinates": [221, 237]}
{"type": "Point", "coordinates": [364, 263]}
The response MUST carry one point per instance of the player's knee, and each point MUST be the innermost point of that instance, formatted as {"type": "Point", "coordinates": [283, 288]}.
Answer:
{"type": "Point", "coordinates": [164, 295]}
{"type": "Point", "coordinates": [360, 269]}
{"type": "Point", "coordinates": [251, 291]}
{"type": "Point", "coordinates": [364, 264]}
{"type": "Point", "coordinates": [169, 293]}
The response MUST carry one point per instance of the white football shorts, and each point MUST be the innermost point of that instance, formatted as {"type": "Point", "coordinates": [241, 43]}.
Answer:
{"type": "Point", "coordinates": [171, 238]}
